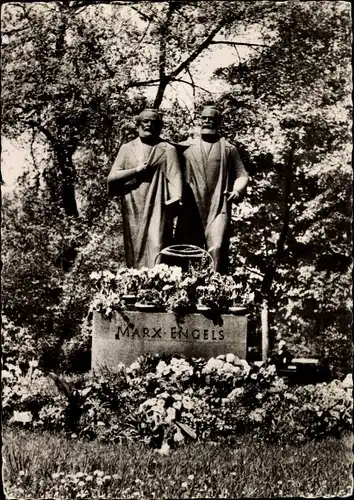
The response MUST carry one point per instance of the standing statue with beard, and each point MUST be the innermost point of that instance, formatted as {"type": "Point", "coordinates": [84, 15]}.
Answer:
{"type": "Point", "coordinates": [214, 177]}
{"type": "Point", "coordinates": [147, 176]}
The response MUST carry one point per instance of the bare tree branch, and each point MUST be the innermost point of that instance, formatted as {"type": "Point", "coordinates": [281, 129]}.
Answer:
{"type": "Point", "coordinates": [33, 156]}
{"type": "Point", "coordinates": [78, 4]}
{"type": "Point", "coordinates": [77, 7]}
{"type": "Point", "coordinates": [145, 83]}
{"type": "Point", "coordinates": [192, 81]}
{"type": "Point", "coordinates": [142, 14]}
{"type": "Point", "coordinates": [15, 30]}
{"type": "Point", "coordinates": [192, 84]}
{"type": "Point", "coordinates": [208, 40]}
{"type": "Point", "coordinates": [143, 36]}
{"type": "Point", "coordinates": [156, 82]}
{"type": "Point", "coordinates": [246, 44]}
{"type": "Point", "coordinates": [186, 63]}
{"type": "Point", "coordinates": [78, 11]}
{"type": "Point", "coordinates": [238, 54]}
{"type": "Point", "coordinates": [254, 271]}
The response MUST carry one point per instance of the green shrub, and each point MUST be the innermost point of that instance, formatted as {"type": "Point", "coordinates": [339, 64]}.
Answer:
{"type": "Point", "coordinates": [25, 391]}
{"type": "Point", "coordinates": [167, 400]}
{"type": "Point", "coordinates": [76, 351]}
{"type": "Point", "coordinates": [336, 350]}
{"type": "Point", "coordinates": [18, 345]}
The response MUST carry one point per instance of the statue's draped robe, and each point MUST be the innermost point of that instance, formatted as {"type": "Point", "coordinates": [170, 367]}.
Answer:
{"type": "Point", "coordinates": [209, 171]}
{"type": "Point", "coordinates": [147, 226]}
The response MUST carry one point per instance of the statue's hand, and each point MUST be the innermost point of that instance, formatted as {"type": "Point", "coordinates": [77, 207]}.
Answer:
{"type": "Point", "coordinates": [142, 167]}
{"type": "Point", "coordinates": [234, 196]}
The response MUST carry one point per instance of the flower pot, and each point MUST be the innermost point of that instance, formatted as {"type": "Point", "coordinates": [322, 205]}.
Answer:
{"type": "Point", "coordinates": [224, 308]}
{"type": "Point", "coordinates": [202, 308]}
{"type": "Point", "coordinates": [238, 309]}
{"type": "Point", "coordinates": [145, 307]}
{"type": "Point", "coordinates": [190, 309]}
{"type": "Point", "coordinates": [129, 298]}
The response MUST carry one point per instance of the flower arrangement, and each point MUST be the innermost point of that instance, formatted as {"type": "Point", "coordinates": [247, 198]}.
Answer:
{"type": "Point", "coordinates": [165, 401]}
{"type": "Point", "coordinates": [165, 288]}
{"type": "Point", "coordinates": [216, 292]}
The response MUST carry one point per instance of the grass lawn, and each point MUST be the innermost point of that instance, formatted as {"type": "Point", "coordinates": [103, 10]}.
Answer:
{"type": "Point", "coordinates": [244, 468]}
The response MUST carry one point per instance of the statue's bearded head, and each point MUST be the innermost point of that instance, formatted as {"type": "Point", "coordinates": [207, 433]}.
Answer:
{"type": "Point", "coordinates": [149, 124]}
{"type": "Point", "coordinates": [210, 118]}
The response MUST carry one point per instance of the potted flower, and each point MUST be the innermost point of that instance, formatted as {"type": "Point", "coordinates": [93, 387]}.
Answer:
{"type": "Point", "coordinates": [149, 300]}
{"type": "Point", "coordinates": [238, 296]}
{"type": "Point", "coordinates": [215, 294]}
{"type": "Point", "coordinates": [159, 284]}
{"type": "Point", "coordinates": [204, 299]}
{"type": "Point", "coordinates": [132, 280]}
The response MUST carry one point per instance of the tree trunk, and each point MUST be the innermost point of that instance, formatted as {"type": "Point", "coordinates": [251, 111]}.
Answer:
{"type": "Point", "coordinates": [160, 92]}
{"type": "Point", "coordinates": [64, 158]}
{"type": "Point", "coordinates": [265, 330]}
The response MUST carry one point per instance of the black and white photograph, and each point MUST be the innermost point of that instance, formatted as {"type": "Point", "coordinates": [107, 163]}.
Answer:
{"type": "Point", "coordinates": [176, 257]}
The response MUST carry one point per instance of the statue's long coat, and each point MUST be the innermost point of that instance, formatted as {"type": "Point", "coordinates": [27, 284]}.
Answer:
{"type": "Point", "coordinates": [147, 227]}
{"type": "Point", "coordinates": [206, 214]}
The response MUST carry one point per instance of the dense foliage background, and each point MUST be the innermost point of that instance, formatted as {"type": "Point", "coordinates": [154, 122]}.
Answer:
{"type": "Point", "coordinates": [74, 76]}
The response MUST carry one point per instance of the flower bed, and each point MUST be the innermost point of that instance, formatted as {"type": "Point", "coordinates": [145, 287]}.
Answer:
{"type": "Point", "coordinates": [166, 288]}
{"type": "Point", "coordinates": [165, 401]}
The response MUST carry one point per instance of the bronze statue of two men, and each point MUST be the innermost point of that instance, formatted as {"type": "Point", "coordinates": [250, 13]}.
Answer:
{"type": "Point", "coordinates": [197, 182]}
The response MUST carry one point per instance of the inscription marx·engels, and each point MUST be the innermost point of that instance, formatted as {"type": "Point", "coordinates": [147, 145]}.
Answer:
{"type": "Point", "coordinates": [172, 333]}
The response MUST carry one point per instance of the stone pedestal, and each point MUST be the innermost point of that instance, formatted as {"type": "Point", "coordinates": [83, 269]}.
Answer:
{"type": "Point", "coordinates": [130, 334]}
